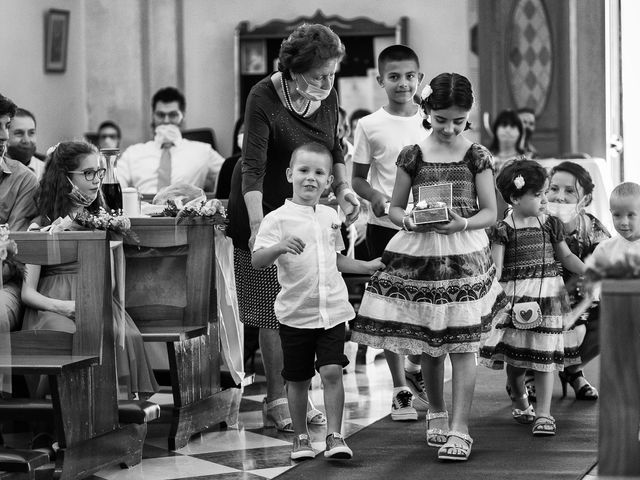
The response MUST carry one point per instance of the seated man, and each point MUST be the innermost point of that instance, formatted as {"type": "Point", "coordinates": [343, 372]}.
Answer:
{"type": "Point", "coordinates": [109, 135]}
{"type": "Point", "coordinates": [22, 141]}
{"type": "Point", "coordinates": [18, 187]}
{"type": "Point", "coordinates": [169, 158]}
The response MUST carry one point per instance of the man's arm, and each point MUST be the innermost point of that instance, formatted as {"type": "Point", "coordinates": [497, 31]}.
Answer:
{"type": "Point", "coordinates": [24, 209]}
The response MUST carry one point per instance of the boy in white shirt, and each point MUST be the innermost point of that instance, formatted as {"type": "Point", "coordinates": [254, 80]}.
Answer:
{"type": "Point", "coordinates": [302, 238]}
{"type": "Point", "coordinates": [378, 140]}
{"type": "Point", "coordinates": [625, 211]}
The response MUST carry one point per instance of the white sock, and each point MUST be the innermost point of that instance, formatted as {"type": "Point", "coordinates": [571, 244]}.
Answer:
{"type": "Point", "coordinates": [409, 366]}
{"type": "Point", "coordinates": [397, 390]}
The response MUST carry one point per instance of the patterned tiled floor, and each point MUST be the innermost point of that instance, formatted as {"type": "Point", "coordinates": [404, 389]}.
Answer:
{"type": "Point", "coordinates": [252, 452]}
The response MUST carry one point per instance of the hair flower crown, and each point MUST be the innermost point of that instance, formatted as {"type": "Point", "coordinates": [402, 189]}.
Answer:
{"type": "Point", "coordinates": [519, 182]}
{"type": "Point", "coordinates": [426, 91]}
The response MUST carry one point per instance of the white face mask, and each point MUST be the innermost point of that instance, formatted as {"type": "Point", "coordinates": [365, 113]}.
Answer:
{"type": "Point", "coordinates": [311, 92]}
{"type": "Point", "coordinates": [566, 212]}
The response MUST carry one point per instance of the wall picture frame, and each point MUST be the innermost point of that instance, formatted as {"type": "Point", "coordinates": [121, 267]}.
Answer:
{"type": "Point", "coordinates": [253, 57]}
{"type": "Point", "coordinates": [56, 40]}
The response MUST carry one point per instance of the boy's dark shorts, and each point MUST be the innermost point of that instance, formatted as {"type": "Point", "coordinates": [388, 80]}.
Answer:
{"type": "Point", "coordinates": [301, 346]}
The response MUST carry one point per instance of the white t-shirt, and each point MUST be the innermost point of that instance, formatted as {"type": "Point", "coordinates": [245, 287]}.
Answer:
{"type": "Point", "coordinates": [313, 293]}
{"type": "Point", "coordinates": [378, 140]}
{"type": "Point", "coordinates": [191, 162]}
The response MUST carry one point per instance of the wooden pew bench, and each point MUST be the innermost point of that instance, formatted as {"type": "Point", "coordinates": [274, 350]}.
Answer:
{"type": "Point", "coordinates": [171, 296]}
{"type": "Point", "coordinates": [81, 367]}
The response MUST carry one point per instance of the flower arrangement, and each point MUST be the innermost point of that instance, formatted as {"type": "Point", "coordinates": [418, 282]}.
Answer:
{"type": "Point", "coordinates": [114, 222]}
{"type": "Point", "coordinates": [212, 209]}
{"type": "Point", "coordinates": [624, 265]}
{"type": "Point", "coordinates": [8, 247]}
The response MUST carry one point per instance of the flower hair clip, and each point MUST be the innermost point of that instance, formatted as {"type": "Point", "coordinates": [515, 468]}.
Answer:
{"type": "Point", "coordinates": [519, 182]}
{"type": "Point", "coordinates": [426, 91]}
{"type": "Point", "coordinates": [52, 149]}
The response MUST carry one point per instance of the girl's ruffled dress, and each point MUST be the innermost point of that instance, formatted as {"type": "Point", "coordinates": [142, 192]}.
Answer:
{"type": "Point", "coordinates": [532, 274]}
{"type": "Point", "coordinates": [438, 293]}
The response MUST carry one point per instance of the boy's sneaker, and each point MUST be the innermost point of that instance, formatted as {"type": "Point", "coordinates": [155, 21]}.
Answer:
{"type": "Point", "coordinates": [416, 384]}
{"type": "Point", "coordinates": [402, 407]}
{"type": "Point", "coordinates": [302, 448]}
{"type": "Point", "coordinates": [337, 447]}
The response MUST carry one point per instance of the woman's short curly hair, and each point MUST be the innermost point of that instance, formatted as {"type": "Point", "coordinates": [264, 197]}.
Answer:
{"type": "Point", "coordinates": [53, 195]}
{"type": "Point", "coordinates": [309, 46]}
{"type": "Point", "coordinates": [533, 174]}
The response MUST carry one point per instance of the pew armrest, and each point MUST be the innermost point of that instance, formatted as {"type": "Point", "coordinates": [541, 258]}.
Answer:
{"type": "Point", "coordinates": [171, 333]}
{"type": "Point", "coordinates": [46, 364]}
{"type": "Point", "coordinates": [137, 411]}
{"type": "Point", "coordinates": [22, 461]}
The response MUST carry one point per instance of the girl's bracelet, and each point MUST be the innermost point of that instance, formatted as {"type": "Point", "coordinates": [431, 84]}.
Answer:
{"type": "Point", "coordinates": [466, 224]}
{"type": "Point", "coordinates": [404, 225]}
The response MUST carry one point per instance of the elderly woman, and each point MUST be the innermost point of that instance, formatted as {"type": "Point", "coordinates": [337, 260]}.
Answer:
{"type": "Point", "coordinates": [288, 108]}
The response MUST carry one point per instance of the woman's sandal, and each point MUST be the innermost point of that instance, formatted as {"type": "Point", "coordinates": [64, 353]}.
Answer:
{"type": "Point", "coordinates": [525, 416]}
{"type": "Point", "coordinates": [585, 392]}
{"type": "Point", "coordinates": [316, 417]}
{"type": "Point", "coordinates": [275, 414]}
{"type": "Point", "coordinates": [544, 426]}
{"type": "Point", "coordinates": [437, 437]}
{"type": "Point", "coordinates": [457, 448]}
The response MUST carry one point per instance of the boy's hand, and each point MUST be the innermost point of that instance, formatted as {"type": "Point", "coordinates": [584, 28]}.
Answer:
{"type": "Point", "coordinates": [374, 265]}
{"type": "Point", "coordinates": [379, 204]}
{"type": "Point", "coordinates": [292, 244]}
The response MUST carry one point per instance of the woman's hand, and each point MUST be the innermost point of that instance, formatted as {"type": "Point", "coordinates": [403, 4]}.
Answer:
{"type": "Point", "coordinates": [254, 234]}
{"type": "Point", "coordinates": [349, 204]}
{"type": "Point", "coordinates": [454, 225]}
{"type": "Point", "coordinates": [67, 308]}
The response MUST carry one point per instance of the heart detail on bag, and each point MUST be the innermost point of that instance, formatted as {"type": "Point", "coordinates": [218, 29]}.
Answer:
{"type": "Point", "coordinates": [526, 314]}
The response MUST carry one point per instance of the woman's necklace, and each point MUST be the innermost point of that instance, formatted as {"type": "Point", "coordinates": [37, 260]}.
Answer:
{"type": "Point", "coordinates": [287, 98]}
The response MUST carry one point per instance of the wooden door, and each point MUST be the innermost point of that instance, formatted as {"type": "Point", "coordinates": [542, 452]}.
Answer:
{"type": "Point", "coordinates": [523, 61]}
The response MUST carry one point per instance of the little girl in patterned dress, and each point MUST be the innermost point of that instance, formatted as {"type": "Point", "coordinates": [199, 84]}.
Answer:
{"type": "Point", "coordinates": [439, 293]}
{"type": "Point", "coordinates": [526, 246]}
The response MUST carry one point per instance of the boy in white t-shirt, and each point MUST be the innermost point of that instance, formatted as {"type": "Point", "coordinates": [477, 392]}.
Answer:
{"type": "Point", "coordinates": [378, 140]}
{"type": "Point", "coordinates": [302, 238]}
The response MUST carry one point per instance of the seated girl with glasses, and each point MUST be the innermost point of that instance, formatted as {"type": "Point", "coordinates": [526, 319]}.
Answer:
{"type": "Point", "coordinates": [69, 187]}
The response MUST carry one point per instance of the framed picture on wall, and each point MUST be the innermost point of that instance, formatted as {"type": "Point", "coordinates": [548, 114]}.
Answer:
{"type": "Point", "coordinates": [56, 39]}
{"type": "Point", "coordinates": [253, 57]}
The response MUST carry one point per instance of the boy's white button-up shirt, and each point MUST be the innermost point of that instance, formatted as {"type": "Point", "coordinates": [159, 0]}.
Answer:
{"type": "Point", "coordinates": [313, 293]}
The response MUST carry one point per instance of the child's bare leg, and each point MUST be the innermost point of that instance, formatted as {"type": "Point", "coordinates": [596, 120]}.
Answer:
{"type": "Point", "coordinates": [515, 380]}
{"type": "Point", "coordinates": [464, 382]}
{"type": "Point", "coordinates": [333, 396]}
{"type": "Point", "coordinates": [297, 393]}
{"type": "Point", "coordinates": [433, 376]}
{"type": "Point", "coordinates": [396, 367]}
{"type": "Point", "coordinates": [544, 392]}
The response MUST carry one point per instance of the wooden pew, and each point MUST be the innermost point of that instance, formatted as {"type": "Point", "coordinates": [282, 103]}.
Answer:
{"type": "Point", "coordinates": [171, 295]}
{"type": "Point", "coordinates": [83, 379]}
{"type": "Point", "coordinates": [619, 379]}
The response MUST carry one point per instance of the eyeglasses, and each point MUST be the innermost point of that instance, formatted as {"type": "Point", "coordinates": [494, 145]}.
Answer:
{"type": "Point", "coordinates": [172, 116]}
{"type": "Point", "coordinates": [114, 136]}
{"type": "Point", "coordinates": [90, 175]}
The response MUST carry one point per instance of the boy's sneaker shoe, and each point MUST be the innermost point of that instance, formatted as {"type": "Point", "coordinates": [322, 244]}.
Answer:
{"type": "Point", "coordinates": [337, 447]}
{"type": "Point", "coordinates": [416, 384]}
{"type": "Point", "coordinates": [302, 448]}
{"type": "Point", "coordinates": [402, 407]}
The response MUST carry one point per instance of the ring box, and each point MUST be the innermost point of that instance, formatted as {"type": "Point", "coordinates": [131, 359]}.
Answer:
{"type": "Point", "coordinates": [434, 202]}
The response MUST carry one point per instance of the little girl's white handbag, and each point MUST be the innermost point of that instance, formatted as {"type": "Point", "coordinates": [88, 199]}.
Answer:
{"type": "Point", "coordinates": [526, 315]}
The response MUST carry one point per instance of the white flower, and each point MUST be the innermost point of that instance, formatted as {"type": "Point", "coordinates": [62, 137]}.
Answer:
{"type": "Point", "coordinates": [422, 204]}
{"type": "Point", "coordinates": [518, 182]}
{"type": "Point", "coordinates": [426, 91]}
{"type": "Point", "coordinates": [52, 149]}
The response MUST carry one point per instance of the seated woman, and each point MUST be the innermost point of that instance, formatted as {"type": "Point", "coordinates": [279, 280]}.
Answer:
{"type": "Point", "coordinates": [70, 185]}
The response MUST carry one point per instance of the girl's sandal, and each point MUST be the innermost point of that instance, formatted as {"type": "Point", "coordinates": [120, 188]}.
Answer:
{"type": "Point", "coordinates": [457, 448]}
{"type": "Point", "coordinates": [525, 416]}
{"type": "Point", "coordinates": [544, 426]}
{"type": "Point", "coordinates": [437, 437]}
{"type": "Point", "coordinates": [276, 414]}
